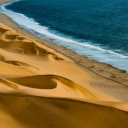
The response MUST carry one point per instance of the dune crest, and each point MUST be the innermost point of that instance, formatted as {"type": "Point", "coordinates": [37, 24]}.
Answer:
{"type": "Point", "coordinates": [42, 88]}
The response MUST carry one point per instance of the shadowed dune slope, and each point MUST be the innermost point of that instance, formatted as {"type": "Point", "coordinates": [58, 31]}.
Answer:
{"type": "Point", "coordinates": [42, 88]}
{"type": "Point", "coordinates": [56, 112]}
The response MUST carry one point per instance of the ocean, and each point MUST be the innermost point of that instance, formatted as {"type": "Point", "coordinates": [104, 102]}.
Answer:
{"type": "Point", "coordinates": [95, 28]}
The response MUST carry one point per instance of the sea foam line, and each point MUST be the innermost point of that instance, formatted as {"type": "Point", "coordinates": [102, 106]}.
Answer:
{"type": "Point", "coordinates": [32, 25]}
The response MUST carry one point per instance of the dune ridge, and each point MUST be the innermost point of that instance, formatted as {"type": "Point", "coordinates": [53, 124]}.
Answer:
{"type": "Point", "coordinates": [40, 87]}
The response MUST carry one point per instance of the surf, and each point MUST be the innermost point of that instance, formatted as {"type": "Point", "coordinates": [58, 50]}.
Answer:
{"type": "Point", "coordinates": [80, 46]}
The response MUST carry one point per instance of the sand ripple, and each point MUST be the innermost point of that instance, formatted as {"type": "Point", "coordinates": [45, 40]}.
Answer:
{"type": "Point", "coordinates": [42, 88]}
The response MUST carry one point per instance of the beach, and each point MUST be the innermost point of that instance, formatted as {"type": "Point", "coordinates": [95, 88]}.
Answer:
{"type": "Point", "coordinates": [47, 85]}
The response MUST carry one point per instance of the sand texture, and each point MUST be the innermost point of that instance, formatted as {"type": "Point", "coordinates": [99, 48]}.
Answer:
{"type": "Point", "coordinates": [100, 69]}
{"type": "Point", "coordinates": [44, 85]}
{"type": "Point", "coordinates": [42, 88]}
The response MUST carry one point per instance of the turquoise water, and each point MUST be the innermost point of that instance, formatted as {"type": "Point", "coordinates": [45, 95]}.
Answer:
{"type": "Point", "coordinates": [95, 28]}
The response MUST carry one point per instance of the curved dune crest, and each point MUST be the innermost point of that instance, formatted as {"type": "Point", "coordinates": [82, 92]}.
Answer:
{"type": "Point", "coordinates": [42, 88]}
{"type": "Point", "coordinates": [57, 112]}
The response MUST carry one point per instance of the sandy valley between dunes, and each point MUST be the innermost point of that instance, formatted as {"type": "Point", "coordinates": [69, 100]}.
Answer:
{"type": "Point", "coordinates": [44, 85]}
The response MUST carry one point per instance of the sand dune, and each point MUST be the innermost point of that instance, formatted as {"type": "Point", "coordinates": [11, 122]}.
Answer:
{"type": "Point", "coordinates": [42, 88]}
{"type": "Point", "coordinates": [31, 111]}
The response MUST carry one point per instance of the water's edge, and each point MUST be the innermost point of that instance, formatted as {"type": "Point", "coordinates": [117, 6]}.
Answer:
{"type": "Point", "coordinates": [94, 52]}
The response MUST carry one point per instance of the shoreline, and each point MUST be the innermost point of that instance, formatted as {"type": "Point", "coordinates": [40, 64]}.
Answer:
{"type": "Point", "coordinates": [101, 69]}
{"type": "Point", "coordinates": [4, 1]}
{"type": "Point", "coordinates": [44, 84]}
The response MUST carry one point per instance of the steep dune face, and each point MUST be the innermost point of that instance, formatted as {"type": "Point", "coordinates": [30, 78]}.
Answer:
{"type": "Point", "coordinates": [42, 88]}
{"type": "Point", "coordinates": [56, 112]}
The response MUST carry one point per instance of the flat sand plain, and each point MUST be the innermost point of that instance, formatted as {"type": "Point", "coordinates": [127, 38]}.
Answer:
{"type": "Point", "coordinates": [45, 85]}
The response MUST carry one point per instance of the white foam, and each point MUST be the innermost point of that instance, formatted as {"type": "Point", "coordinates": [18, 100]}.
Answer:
{"type": "Point", "coordinates": [85, 48]}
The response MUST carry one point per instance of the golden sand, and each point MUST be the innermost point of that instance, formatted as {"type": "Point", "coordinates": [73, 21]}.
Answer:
{"type": "Point", "coordinates": [41, 88]}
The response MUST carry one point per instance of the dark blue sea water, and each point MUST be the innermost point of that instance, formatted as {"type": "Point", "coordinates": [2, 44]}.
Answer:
{"type": "Point", "coordinates": [95, 28]}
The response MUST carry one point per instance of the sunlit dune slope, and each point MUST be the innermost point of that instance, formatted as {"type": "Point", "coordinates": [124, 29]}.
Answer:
{"type": "Point", "coordinates": [42, 88]}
